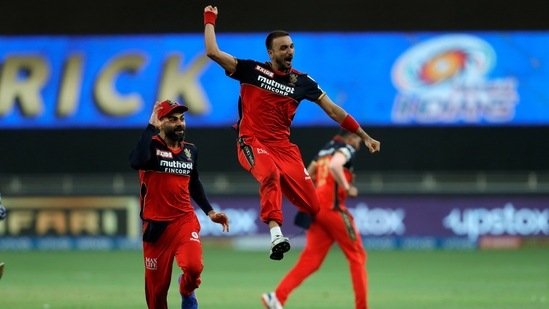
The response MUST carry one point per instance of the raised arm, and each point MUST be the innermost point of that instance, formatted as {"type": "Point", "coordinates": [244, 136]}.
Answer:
{"type": "Point", "coordinates": [347, 122]}
{"type": "Point", "coordinates": [226, 61]}
{"type": "Point", "coordinates": [141, 154]}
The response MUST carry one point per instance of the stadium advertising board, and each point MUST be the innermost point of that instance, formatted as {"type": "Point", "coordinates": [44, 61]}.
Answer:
{"type": "Point", "coordinates": [418, 222]}
{"type": "Point", "coordinates": [386, 79]}
{"type": "Point", "coordinates": [385, 222]}
{"type": "Point", "coordinates": [70, 223]}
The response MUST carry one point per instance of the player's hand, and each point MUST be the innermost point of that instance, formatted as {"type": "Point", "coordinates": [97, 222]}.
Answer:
{"type": "Point", "coordinates": [221, 218]}
{"type": "Point", "coordinates": [372, 144]}
{"type": "Point", "coordinates": [352, 191]}
{"type": "Point", "coordinates": [157, 123]}
{"type": "Point", "coordinates": [210, 8]}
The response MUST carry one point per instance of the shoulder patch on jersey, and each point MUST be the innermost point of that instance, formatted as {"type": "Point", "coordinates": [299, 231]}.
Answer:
{"type": "Point", "coordinates": [264, 71]}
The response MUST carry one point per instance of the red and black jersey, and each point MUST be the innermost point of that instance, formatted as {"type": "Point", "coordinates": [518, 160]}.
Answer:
{"type": "Point", "coordinates": [269, 98]}
{"type": "Point", "coordinates": [329, 192]}
{"type": "Point", "coordinates": [168, 178]}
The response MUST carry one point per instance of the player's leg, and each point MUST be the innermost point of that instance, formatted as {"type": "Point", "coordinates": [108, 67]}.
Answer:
{"type": "Point", "coordinates": [318, 244]}
{"type": "Point", "coordinates": [188, 256]}
{"type": "Point", "coordinates": [158, 258]}
{"type": "Point", "coordinates": [1, 270]}
{"type": "Point", "coordinates": [296, 183]}
{"type": "Point", "coordinates": [349, 240]}
{"type": "Point", "coordinates": [255, 158]}
{"type": "Point", "coordinates": [261, 165]}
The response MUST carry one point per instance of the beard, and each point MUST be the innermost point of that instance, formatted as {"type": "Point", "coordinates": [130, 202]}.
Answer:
{"type": "Point", "coordinates": [174, 136]}
{"type": "Point", "coordinates": [283, 66]}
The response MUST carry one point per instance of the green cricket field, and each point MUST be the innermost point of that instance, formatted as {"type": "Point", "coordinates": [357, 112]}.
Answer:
{"type": "Point", "coordinates": [484, 279]}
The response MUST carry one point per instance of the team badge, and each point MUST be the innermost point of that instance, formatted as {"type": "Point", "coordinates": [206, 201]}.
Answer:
{"type": "Point", "coordinates": [187, 153]}
{"type": "Point", "coordinates": [293, 78]}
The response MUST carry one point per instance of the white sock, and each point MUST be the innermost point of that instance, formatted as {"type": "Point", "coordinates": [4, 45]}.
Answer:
{"type": "Point", "coordinates": [275, 232]}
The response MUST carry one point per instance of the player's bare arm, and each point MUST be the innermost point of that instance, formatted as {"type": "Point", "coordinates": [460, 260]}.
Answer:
{"type": "Point", "coordinates": [336, 164]}
{"type": "Point", "coordinates": [339, 115]}
{"type": "Point", "coordinates": [331, 109]}
{"type": "Point", "coordinates": [226, 61]}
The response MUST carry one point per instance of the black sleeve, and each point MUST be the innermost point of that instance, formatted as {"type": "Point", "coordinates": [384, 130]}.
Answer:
{"type": "Point", "coordinates": [242, 72]}
{"type": "Point", "coordinates": [312, 90]}
{"type": "Point", "coordinates": [141, 153]}
{"type": "Point", "coordinates": [197, 190]}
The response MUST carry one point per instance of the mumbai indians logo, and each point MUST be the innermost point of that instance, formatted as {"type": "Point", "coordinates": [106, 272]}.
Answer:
{"type": "Point", "coordinates": [444, 80]}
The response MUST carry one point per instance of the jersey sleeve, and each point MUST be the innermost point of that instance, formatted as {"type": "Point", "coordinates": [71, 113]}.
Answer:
{"type": "Point", "coordinates": [348, 151]}
{"type": "Point", "coordinates": [313, 92]}
{"type": "Point", "coordinates": [242, 69]}
{"type": "Point", "coordinates": [141, 155]}
{"type": "Point", "coordinates": [196, 189]}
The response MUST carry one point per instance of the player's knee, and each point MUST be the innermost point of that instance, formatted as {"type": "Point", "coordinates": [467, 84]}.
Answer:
{"type": "Point", "coordinates": [194, 270]}
{"type": "Point", "coordinates": [271, 179]}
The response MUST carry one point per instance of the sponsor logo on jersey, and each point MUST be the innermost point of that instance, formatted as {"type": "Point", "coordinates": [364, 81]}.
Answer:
{"type": "Point", "coordinates": [194, 237]}
{"type": "Point", "coordinates": [151, 263]}
{"type": "Point", "coordinates": [164, 154]}
{"type": "Point", "coordinates": [177, 167]}
{"type": "Point", "coordinates": [264, 71]}
{"type": "Point", "coordinates": [274, 86]}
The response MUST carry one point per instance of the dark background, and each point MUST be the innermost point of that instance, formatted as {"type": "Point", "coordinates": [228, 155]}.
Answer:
{"type": "Point", "coordinates": [169, 16]}
{"type": "Point", "coordinates": [31, 151]}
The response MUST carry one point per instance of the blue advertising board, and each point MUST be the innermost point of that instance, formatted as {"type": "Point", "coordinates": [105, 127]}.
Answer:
{"type": "Point", "coordinates": [382, 79]}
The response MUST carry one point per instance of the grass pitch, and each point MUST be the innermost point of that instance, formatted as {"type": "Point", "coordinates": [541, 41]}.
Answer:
{"type": "Point", "coordinates": [235, 279]}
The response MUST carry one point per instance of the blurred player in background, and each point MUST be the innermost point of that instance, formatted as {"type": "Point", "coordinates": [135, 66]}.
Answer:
{"type": "Point", "coordinates": [270, 93]}
{"type": "Point", "coordinates": [3, 214]}
{"type": "Point", "coordinates": [169, 178]}
{"type": "Point", "coordinates": [332, 172]}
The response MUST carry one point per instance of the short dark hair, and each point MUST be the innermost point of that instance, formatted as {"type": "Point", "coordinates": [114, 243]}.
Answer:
{"type": "Point", "coordinates": [273, 35]}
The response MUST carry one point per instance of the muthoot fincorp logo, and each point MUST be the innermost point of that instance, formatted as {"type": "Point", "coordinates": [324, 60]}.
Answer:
{"type": "Point", "coordinates": [445, 80]}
